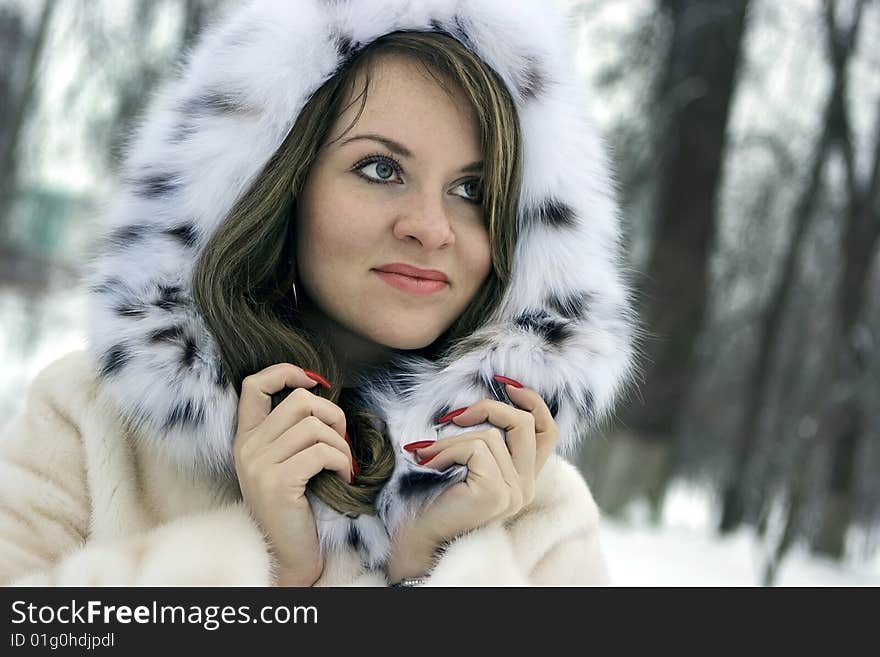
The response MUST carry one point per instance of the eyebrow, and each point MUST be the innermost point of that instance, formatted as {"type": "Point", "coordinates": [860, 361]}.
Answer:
{"type": "Point", "coordinates": [400, 149]}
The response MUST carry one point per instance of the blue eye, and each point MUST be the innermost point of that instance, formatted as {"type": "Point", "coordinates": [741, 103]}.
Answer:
{"type": "Point", "coordinates": [385, 168]}
{"type": "Point", "coordinates": [477, 193]}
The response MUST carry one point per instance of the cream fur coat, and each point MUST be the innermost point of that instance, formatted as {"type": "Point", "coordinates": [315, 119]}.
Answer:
{"type": "Point", "coordinates": [86, 502]}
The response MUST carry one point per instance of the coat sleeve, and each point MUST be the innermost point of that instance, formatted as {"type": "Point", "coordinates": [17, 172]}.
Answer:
{"type": "Point", "coordinates": [552, 542]}
{"type": "Point", "coordinates": [214, 548]}
{"type": "Point", "coordinates": [46, 511]}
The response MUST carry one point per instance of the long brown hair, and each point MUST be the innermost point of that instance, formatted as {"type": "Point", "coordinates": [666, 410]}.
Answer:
{"type": "Point", "coordinates": [243, 279]}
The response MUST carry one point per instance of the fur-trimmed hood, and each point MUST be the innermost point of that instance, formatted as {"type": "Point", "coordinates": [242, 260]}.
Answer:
{"type": "Point", "coordinates": [565, 327]}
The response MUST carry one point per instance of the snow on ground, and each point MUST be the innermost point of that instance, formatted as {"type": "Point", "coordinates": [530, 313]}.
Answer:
{"type": "Point", "coordinates": [683, 551]}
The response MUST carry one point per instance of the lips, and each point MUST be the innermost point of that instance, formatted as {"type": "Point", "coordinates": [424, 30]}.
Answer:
{"type": "Point", "coordinates": [412, 285]}
{"type": "Point", "coordinates": [414, 272]}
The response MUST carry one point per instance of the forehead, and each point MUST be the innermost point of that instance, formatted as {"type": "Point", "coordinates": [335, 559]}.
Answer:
{"type": "Point", "coordinates": [406, 100]}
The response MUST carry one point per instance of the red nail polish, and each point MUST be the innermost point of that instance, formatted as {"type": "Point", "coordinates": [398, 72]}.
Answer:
{"type": "Point", "coordinates": [423, 461]}
{"type": "Point", "coordinates": [451, 414]}
{"type": "Point", "coordinates": [505, 379]}
{"type": "Point", "coordinates": [314, 376]}
{"type": "Point", "coordinates": [411, 447]}
{"type": "Point", "coordinates": [354, 467]}
{"type": "Point", "coordinates": [346, 438]}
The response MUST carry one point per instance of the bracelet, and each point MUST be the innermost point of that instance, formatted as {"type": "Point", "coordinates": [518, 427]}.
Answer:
{"type": "Point", "coordinates": [409, 581]}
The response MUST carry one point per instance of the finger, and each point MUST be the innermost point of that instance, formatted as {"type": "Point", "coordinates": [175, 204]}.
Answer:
{"type": "Point", "coordinates": [519, 425]}
{"type": "Point", "coordinates": [516, 484]}
{"type": "Point", "coordinates": [484, 475]}
{"type": "Point", "coordinates": [297, 406]}
{"type": "Point", "coordinates": [529, 400]}
{"type": "Point", "coordinates": [473, 452]}
{"type": "Point", "coordinates": [305, 433]}
{"type": "Point", "coordinates": [493, 440]}
{"type": "Point", "coordinates": [546, 428]}
{"type": "Point", "coordinates": [304, 465]}
{"type": "Point", "coordinates": [255, 400]}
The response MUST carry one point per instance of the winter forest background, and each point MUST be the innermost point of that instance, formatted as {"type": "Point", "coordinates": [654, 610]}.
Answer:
{"type": "Point", "coordinates": [746, 136]}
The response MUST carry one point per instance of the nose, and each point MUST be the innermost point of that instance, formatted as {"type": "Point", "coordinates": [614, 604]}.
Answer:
{"type": "Point", "coordinates": [425, 218]}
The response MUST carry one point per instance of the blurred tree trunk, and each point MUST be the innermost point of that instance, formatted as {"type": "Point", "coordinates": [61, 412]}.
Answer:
{"type": "Point", "coordinates": [692, 105]}
{"type": "Point", "coordinates": [841, 46]}
{"type": "Point", "coordinates": [17, 101]}
{"type": "Point", "coordinates": [12, 41]}
{"type": "Point", "coordinates": [840, 418]}
{"type": "Point", "coordinates": [195, 14]}
{"type": "Point", "coordinates": [843, 424]}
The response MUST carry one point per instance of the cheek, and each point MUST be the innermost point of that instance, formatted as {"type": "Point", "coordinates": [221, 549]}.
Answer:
{"type": "Point", "coordinates": [478, 257]}
{"type": "Point", "coordinates": [331, 230]}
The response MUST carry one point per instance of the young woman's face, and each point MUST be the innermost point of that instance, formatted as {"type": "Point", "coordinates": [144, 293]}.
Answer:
{"type": "Point", "coordinates": [365, 206]}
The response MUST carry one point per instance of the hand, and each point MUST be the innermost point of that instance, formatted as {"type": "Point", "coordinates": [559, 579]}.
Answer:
{"type": "Point", "coordinates": [500, 481]}
{"type": "Point", "coordinates": [276, 452]}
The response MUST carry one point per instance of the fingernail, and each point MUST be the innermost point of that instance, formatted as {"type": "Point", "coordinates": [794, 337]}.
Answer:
{"type": "Point", "coordinates": [505, 379]}
{"type": "Point", "coordinates": [346, 438]}
{"type": "Point", "coordinates": [451, 414]}
{"type": "Point", "coordinates": [314, 376]}
{"type": "Point", "coordinates": [411, 447]}
{"type": "Point", "coordinates": [423, 461]}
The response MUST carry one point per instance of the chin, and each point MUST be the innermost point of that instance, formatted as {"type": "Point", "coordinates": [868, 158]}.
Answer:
{"type": "Point", "coordinates": [408, 341]}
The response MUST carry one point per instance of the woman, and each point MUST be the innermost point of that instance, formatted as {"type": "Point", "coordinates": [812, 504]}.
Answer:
{"type": "Point", "coordinates": [267, 397]}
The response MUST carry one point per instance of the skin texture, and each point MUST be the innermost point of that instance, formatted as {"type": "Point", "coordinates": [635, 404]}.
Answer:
{"type": "Point", "coordinates": [345, 227]}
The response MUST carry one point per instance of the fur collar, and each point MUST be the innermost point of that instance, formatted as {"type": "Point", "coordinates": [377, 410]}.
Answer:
{"type": "Point", "coordinates": [565, 328]}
